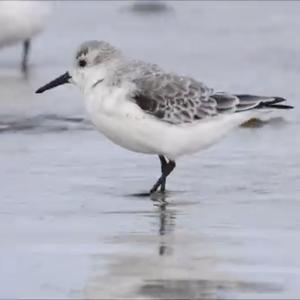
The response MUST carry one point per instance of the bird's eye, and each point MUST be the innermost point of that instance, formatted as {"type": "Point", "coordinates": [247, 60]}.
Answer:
{"type": "Point", "coordinates": [82, 63]}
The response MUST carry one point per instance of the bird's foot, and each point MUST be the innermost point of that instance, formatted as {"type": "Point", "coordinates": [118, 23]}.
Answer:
{"type": "Point", "coordinates": [161, 182]}
{"type": "Point", "coordinates": [159, 199]}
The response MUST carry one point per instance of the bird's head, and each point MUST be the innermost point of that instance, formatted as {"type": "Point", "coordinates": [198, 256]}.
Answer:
{"type": "Point", "coordinates": [94, 61]}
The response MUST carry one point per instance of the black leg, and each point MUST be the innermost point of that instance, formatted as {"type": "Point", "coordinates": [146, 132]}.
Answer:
{"type": "Point", "coordinates": [163, 163]}
{"type": "Point", "coordinates": [26, 48]}
{"type": "Point", "coordinates": [166, 169]}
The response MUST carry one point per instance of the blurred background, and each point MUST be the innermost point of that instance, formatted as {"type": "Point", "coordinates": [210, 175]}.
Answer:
{"type": "Point", "coordinates": [71, 225]}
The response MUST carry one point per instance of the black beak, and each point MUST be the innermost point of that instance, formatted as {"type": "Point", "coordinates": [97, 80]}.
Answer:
{"type": "Point", "coordinates": [65, 78]}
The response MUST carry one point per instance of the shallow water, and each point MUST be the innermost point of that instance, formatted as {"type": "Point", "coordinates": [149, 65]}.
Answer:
{"type": "Point", "coordinates": [72, 222]}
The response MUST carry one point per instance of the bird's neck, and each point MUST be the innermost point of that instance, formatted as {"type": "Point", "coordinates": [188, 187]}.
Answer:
{"type": "Point", "coordinates": [110, 75]}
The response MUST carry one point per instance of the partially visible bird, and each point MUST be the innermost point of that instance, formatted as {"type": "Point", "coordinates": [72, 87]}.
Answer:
{"type": "Point", "coordinates": [20, 21]}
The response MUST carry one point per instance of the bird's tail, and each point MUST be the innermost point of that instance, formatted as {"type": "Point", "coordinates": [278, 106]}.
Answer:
{"type": "Point", "coordinates": [248, 102]}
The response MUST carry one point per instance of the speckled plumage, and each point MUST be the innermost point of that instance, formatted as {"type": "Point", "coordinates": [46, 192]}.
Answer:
{"type": "Point", "coordinates": [174, 99]}
{"type": "Point", "coordinates": [179, 99]}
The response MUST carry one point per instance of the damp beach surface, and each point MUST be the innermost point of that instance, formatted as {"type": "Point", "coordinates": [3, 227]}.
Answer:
{"type": "Point", "coordinates": [74, 223]}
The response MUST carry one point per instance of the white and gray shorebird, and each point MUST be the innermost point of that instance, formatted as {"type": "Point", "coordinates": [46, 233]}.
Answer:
{"type": "Point", "coordinates": [144, 109]}
{"type": "Point", "coordinates": [20, 21]}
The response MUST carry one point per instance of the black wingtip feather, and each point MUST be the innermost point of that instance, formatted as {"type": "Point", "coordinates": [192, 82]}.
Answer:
{"type": "Point", "coordinates": [274, 104]}
{"type": "Point", "coordinates": [248, 102]}
{"type": "Point", "coordinates": [280, 106]}
{"type": "Point", "coordinates": [277, 100]}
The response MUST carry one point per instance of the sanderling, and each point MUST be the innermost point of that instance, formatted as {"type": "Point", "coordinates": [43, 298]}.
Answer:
{"type": "Point", "coordinates": [20, 21]}
{"type": "Point", "coordinates": [144, 109]}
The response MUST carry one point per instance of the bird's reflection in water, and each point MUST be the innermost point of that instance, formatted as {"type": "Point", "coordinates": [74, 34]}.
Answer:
{"type": "Point", "coordinates": [182, 266]}
{"type": "Point", "coordinates": [166, 222]}
{"type": "Point", "coordinates": [200, 285]}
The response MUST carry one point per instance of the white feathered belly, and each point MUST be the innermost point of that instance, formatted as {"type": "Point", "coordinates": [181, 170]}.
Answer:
{"type": "Point", "coordinates": [128, 126]}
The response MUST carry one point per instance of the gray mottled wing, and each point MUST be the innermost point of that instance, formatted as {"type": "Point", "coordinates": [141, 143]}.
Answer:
{"type": "Point", "coordinates": [173, 98]}
{"type": "Point", "coordinates": [176, 100]}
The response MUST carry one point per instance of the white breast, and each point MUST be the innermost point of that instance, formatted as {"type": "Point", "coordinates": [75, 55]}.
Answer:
{"type": "Point", "coordinates": [118, 119]}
